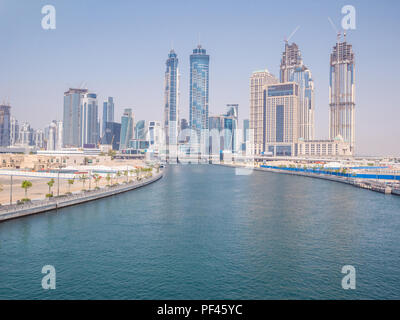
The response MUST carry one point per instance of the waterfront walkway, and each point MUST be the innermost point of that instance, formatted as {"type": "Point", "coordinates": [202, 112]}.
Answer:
{"type": "Point", "coordinates": [34, 207]}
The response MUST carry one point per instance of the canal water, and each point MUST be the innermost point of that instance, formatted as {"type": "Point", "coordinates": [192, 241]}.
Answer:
{"type": "Point", "coordinates": [203, 232]}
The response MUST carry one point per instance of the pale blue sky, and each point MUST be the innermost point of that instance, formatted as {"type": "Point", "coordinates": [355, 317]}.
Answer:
{"type": "Point", "coordinates": [119, 48]}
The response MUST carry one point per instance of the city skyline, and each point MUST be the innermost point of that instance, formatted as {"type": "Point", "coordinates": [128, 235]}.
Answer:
{"type": "Point", "coordinates": [381, 140]}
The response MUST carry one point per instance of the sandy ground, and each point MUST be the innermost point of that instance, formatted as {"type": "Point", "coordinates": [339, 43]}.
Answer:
{"type": "Point", "coordinates": [40, 188]}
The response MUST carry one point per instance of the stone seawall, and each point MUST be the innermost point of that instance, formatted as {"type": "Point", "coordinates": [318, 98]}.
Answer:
{"type": "Point", "coordinates": [18, 211]}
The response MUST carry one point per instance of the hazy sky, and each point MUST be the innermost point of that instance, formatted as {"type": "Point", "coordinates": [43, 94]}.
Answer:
{"type": "Point", "coordinates": [119, 48]}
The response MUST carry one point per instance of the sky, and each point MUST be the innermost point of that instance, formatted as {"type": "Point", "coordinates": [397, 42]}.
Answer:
{"type": "Point", "coordinates": [118, 48]}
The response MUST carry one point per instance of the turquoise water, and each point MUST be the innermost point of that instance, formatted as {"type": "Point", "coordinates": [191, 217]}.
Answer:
{"type": "Point", "coordinates": [203, 232]}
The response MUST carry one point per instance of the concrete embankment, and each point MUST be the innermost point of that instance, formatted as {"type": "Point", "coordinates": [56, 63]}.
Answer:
{"type": "Point", "coordinates": [17, 211]}
{"type": "Point", "coordinates": [360, 183]}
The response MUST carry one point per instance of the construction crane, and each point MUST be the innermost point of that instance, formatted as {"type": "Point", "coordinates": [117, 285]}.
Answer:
{"type": "Point", "coordinates": [338, 33]}
{"type": "Point", "coordinates": [292, 34]}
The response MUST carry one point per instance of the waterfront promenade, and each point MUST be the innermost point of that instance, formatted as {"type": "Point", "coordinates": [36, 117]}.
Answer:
{"type": "Point", "coordinates": [34, 207]}
{"type": "Point", "coordinates": [381, 186]}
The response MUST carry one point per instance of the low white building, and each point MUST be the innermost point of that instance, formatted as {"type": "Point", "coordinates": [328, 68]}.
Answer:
{"type": "Point", "coordinates": [329, 148]}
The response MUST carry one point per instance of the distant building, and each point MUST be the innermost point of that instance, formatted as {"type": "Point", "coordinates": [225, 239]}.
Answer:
{"type": "Point", "coordinates": [258, 81]}
{"type": "Point", "coordinates": [293, 70]}
{"type": "Point", "coordinates": [154, 135]}
{"type": "Point", "coordinates": [246, 126]}
{"type": "Point", "coordinates": [323, 148]}
{"type": "Point", "coordinates": [171, 105]}
{"type": "Point", "coordinates": [342, 93]}
{"type": "Point", "coordinates": [281, 123]}
{"type": "Point", "coordinates": [199, 93]}
{"type": "Point", "coordinates": [14, 131]}
{"type": "Point", "coordinates": [4, 125]}
{"type": "Point", "coordinates": [112, 134]}
{"type": "Point", "coordinates": [25, 137]}
{"type": "Point", "coordinates": [127, 127]}
{"type": "Point", "coordinates": [38, 139]}
{"type": "Point", "coordinates": [108, 113]}
{"type": "Point", "coordinates": [140, 130]}
{"type": "Point", "coordinates": [90, 120]}
{"type": "Point", "coordinates": [72, 119]}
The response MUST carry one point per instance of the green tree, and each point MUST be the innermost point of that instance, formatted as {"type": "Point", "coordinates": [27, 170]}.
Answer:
{"type": "Point", "coordinates": [26, 184]}
{"type": "Point", "coordinates": [97, 178]}
{"type": "Point", "coordinates": [108, 178]}
{"type": "Point", "coordinates": [83, 178]}
{"type": "Point", "coordinates": [50, 184]}
{"type": "Point", "coordinates": [118, 175]}
{"type": "Point", "coordinates": [70, 183]}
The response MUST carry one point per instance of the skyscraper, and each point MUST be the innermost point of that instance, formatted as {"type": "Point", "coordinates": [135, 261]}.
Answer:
{"type": "Point", "coordinates": [14, 131]}
{"type": "Point", "coordinates": [108, 113]}
{"type": "Point", "coordinates": [293, 70]}
{"type": "Point", "coordinates": [72, 119]}
{"type": "Point", "coordinates": [342, 93]}
{"type": "Point", "coordinates": [281, 123]}
{"type": "Point", "coordinates": [90, 120]}
{"type": "Point", "coordinates": [127, 127]}
{"type": "Point", "coordinates": [4, 125]}
{"type": "Point", "coordinates": [199, 80]}
{"type": "Point", "coordinates": [258, 80]}
{"type": "Point", "coordinates": [171, 111]}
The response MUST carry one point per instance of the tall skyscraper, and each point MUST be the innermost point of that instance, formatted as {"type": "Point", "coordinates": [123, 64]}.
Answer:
{"type": "Point", "coordinates": [293, 70]}
{"type": "Point", "coordinates": [342, 93]}
{"type": "Point", "coordinates": [231, 124]}
{"type": "Point", "coordinates": [127, 127]}
{"type": "Point", "coordinates": [112, 134]}
{"type": "Point", "coordinates": [171, 111]}
{"type": "Point", "coordinates": [246, 127]}
{"type": "Point", "coordinates": [25, 134]}
{"type": "Point", "coordinates": [14, 131]}
{"type": "Point", "coordinates": [108, 113]}
{"type": "Point", "coordinates": [199, 80]}
{"type": "Point", "coordinates": [90, 120]}
{"type": "Point", "coordinates": [258, 80]}
{"type": "Point", "coordinates": [281, 123]}
{"type": "Point", "coordinates": [4, 125]}
{"type": "Point", "coordinates": [72, 119]}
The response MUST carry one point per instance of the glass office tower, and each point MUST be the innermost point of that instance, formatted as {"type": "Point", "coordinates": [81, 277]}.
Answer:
{"type": "Point", "coordinates": [171, 111]}
{"type": "Point", "coordinates": [199, 79]}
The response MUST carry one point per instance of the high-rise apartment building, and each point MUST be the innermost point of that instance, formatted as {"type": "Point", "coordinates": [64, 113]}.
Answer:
{"type": "Point", "coordinates": [127, 128]}
{"type": "Point", "coordinates": [90, 120]}
{"type": "Point", "coordinates": [281, 123]}
{"type": "Point", "coordinates": [108, 113]}
{"type": "Point", "coordinates": [258, 81]}
{"type": "Point", "coordinates": [171, 105]}
{"type": "Point", "coordinates": [14, 131]}
{"type": "Point", "coordinates": [4, 125]}
{"type": "Point", "coordinates": [293, 70]}
{"type": "Point", "coordinates": [72, 119]}
{"type": "Point", "coordinates": [342, 93]}
{"type": "Point", "coordinates": [199, 81]}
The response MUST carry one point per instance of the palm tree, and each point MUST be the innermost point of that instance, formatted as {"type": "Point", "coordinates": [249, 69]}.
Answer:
{"type": "Point", "coordinates": [96, 178]}
{"type": "Point", "coordinates": [50, 184]}
{"type": "Point", "coordinates": [108, 178]}
{"type": "Point", "coordinates": [131, 173]}
{"type": "Point", "coordinates": [126, 175]}
{"type": "Point", "coordinates": [118, 175]}
{"type": "Point", "coordinates": [137, 171]}
{"type": "Point", "coordinates": [70, 182]}
{"type": "Point", "coordinates": [83, 179]}
{"type": "Point", "coordinates": [26, 185]}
